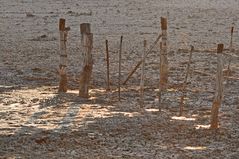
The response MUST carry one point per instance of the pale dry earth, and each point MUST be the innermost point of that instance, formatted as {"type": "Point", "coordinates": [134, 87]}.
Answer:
{"type": "Point", "coordinates": [38, 122]}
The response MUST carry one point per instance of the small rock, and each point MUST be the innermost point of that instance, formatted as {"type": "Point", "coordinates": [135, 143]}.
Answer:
{"type": "Point", "coordinates": [29, 14]}
{"type": "Point", "coordinates": [69, 12]}
{"type": "Point", "coordinates": [73, 153]}
{"type": "Point", "coordinates": [34, 100]}
{"type": "Point", "coordinates": [22, 102]}
{"type": "Point", "coordinates": [43, 36]}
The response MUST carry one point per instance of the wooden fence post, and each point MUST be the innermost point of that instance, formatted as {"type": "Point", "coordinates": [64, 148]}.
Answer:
{"type": "Point", "coordinates": [184, 93]}
{"type": "Point", "coordinates": [164, 54]}
{"type": "Point", "coordinates": [163, 60]}
{"type": "Point", "coordinates": [219, 89]}
{"type": "Point", "coordinates": [85, 75]}
{"type": "Point", "coordinates": [142, 76]}
{"type": "Point", "coordinates": [63, 56]}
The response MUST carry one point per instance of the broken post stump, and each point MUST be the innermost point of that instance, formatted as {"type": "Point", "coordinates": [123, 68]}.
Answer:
{"type": "Point", "coordinates": [63, 56]}
{"type": "Point", "coordinates": [219, 89]}
{"type": "Point", "coordinates": [87, 45]}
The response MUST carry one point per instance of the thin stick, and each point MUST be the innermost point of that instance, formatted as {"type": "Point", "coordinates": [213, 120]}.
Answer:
{"type": "Point", "coordinates": [219, 89]}
{"type": "Point", "coordinates": [160, 87]}
{"type": "Point", "coordinates": [120, 52]}
{"type": "Point", "coordinates": [230, 58]}
{"type": "Point", "coordinates": [232, 29]}
{"type": "Point", "coordinates": [108, 65]}
{"type": "Point", "coordinates": [142, 76]}
{"type": "Point", "coordinates": [140, 62]}
{"type": "Point", "coordinates": [185, 83]}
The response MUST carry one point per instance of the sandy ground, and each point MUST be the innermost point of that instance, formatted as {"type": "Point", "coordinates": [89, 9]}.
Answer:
{"type": "Point", "coordinates": [38, 122]}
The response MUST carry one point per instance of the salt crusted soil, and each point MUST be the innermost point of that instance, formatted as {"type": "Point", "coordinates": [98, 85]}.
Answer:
{"type": "Point", "coordinates": [38, 122]}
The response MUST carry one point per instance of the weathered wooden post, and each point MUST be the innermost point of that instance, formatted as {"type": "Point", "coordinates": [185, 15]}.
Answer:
{"type": "Point", "coordinates": [219, 89]}
{"type": "Point", "coordinates": [63, 56]}
{"type": "Point", "coordinates": [85, 75]}
{"type": "Point", "coordinates": [119, 79]}
{"type": "Point", "coordinates": [108, 65]}
{"type": "Point", "coordinates": [164, 54]}
{"type": "Point", "coordinates": [142, 76]}
{"type": "Point", "coordinates": [163, 60]}
{"type": "Point", "coordinates": [184, 93]}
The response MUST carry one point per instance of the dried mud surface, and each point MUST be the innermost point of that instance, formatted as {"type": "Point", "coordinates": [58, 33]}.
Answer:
{"type": "Point", "coordinates": [38, 122]}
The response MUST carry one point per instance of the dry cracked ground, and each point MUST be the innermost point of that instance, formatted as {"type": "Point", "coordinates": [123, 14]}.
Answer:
{"type": "Point", "coordinates": [38, 122]}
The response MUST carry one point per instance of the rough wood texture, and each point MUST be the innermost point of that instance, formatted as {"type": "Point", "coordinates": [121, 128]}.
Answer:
{"type": "Point", "coordinates": [85, 28]}
{"type": "Point", "coordinates": [85, 81]}
{"type": "Point", "coordinates": [63, 56]}
{"type": "Point", "coordinates": [219, 89]}
{"type": "Point", "coordinates": [62, 24]}
{"type": "Point", "coordinates": [87, 44]}
{"type": "Point", "coordinates": [164, 23]}
{"type": "Point", "coordinates": [142, 76]}
{"type": "Point", "coordinates": [63, 80]}
{"type": "Point", "coordinates": [108, 65]}
{"type": "Point", "coordinates": [184, 93]}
